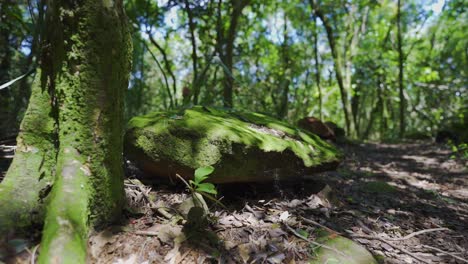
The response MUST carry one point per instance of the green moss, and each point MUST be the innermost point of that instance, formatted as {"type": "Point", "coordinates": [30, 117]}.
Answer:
{"type": "Point", "coordinates": [347, 251]}
{"type": "Point", "coordinates": [67, 221]}
{"type": "Point", "coordinates": [91, 65]}
{"type": "Point", "coordinates": [32, 171]}
{"type": "Point", "coordinates": [201, 136]}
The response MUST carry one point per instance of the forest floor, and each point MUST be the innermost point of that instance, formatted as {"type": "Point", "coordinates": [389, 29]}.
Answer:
{"type": "Point", "coordinates": [405, 203]}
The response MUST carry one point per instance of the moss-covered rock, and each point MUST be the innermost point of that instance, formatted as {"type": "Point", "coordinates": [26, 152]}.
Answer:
{"type": "Point", "coordinates": [345, 250]}
{"type": "Point", "coordinates": [242, 146]}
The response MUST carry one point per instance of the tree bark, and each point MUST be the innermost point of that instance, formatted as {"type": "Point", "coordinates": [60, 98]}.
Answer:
{"type": "Point", "coordinates": [226, 47]}
{"type": "Point", "coordinates": [191, 24]}
{"type": "Point", "coordinates": [401, 61]}
{"type": "Point", "coordinates": [71, 136]}
{"type": "Point", "coordinates": [317, 67]}
{"type": "Point", "coordinates": [337, 60]}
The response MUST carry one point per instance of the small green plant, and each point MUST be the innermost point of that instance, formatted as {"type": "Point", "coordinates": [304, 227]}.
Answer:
{"type": "Point", "coordinates": [198, 185]}
{"type": "Point", "coordinates": [199, 188]}
{"type": "Point", "coordinates": [196, 228]}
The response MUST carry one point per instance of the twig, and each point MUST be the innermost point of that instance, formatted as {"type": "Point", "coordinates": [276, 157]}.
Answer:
{"type": "Point", "coordinates": [313, 242]}
{"type": "Point", "coordinates": [183, 256]}
{"type": "Point", "coordinates": [446, 253]}
{"type": "Point", "coordinates": [418, 233]}
{"type": "Point", "coordinates": [33, 254]}
{"type": "Point", "coordinates": [366, 228]}
{"type": "Point", "coordinates": [257, 214]}
{"type": "Point", "coordinates": [145, 233]}
{"type": "Point", "coordinates": [390, 244]}
{"type": "Point", "coordinates": [160, 210]}
{"type": "Point", "coordinates": [163, 212]}
{"type": "Point", "coordinates": [312, 222]}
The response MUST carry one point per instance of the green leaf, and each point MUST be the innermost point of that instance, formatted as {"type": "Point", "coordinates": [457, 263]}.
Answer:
{"type": "Point", "coordinates": [207, 187]}
{"type": "Point", "coordinates": [202, 173]}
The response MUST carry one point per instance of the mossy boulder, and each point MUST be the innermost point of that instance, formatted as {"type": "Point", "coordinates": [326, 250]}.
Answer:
{"type": "Point", "coordinates": [242, 146]}
{"type": "Point", "coordinates": [345, 250]}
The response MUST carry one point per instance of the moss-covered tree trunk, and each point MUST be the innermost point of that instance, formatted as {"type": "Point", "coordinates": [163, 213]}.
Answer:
{"type": "Point", "coordinates": [67, 172]}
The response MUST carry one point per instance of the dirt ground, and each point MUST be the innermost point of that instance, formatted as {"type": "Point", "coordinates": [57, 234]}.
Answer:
{"type": "Point", "coordinates": [406, 203]}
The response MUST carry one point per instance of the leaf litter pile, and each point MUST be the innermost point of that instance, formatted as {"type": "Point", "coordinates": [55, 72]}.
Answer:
{"type": "Point", "coordinates": [405, 203]}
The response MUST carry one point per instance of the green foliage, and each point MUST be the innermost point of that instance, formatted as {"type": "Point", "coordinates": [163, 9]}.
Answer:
{"type": "Point", "coordinates": [200, 189]}
{"type": "Point", "coordinates": [196, 227]}
{"type": "Point", "coordinates": [460, 150]}
{"type": "Point", "coordinates": [272, 65]}
{"type": "Point", "coordinates": [198, 185]}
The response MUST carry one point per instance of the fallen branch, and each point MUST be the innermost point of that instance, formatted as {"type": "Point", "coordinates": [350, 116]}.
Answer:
{"type": "Point", "coordinates": [446, 253]}
{"type": "Point", "coordinates": [418, 233]}
{"type": "Point", "coordinates": [313, 242]}
{"type": "Point", "coordinates": [390, 244]}
{"type": "Point", "coordinates": [312, 222]}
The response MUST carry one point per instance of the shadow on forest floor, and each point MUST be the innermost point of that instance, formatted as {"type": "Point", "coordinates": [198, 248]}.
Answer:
{"type": "Point", "coordinates": [386, 190]}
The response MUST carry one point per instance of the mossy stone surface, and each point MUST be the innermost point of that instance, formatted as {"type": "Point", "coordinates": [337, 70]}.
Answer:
{"type": "Point", "coordinates": [242, 146]}
{"type": "Point", "coordinates": [347, 251]}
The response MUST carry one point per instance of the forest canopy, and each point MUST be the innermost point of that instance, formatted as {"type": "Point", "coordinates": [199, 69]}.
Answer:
{"type": "Point", "coordinates": [380, 69]}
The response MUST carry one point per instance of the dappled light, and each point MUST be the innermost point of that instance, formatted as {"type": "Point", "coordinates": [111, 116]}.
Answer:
{"type": "Point", "coordinates": [233, 131]}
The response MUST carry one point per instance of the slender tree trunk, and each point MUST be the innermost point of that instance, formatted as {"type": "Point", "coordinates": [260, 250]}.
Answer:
{"type": "Point", "coordinates": [284, 83]}
{"type": "Point", "coordinates": [401, 72]}
{"type": "Point", "coordinates": [375, 110]}
{"type": "Point", "coordinates": [69, 157]}
{"type": "Point", "coordinates": [227, 43]}
{"type": "Point", "coordinates": [337, 60]}
{"type": "Point", "coordinates": [166, 82]}
{"type": "Point", "coordinates": [191, 23]}
{"type": "Point", "coordinates": [167, 65]}
{"type": "Point", "coordinates": [317, 67]}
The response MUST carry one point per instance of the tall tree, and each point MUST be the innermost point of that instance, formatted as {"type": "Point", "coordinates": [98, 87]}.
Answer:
{"type": "Point", "coordinates": [401, 61]}
{"type": "Point", "coordinates": [343, 49]}
{"type": "Point", "coordinates": [226, 36]}
{"type": "Point", "coordinates": [68, 162]}
{"type": "Point", "coordinates": [317, 67]}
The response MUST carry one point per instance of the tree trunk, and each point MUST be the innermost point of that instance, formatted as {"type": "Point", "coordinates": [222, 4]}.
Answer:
{"type": "Point", "coordinates": [401, 72]}
{"type": "Point", "coordinates": [338, 66]}
{"type": "Point", "coordinates": [226, 42]}
{"type": "Point", "coordinates": [71, 136]}
{"type": "Point", "coordinates": [195, 82]}
{"type": "Point", "coordinates": [317, 68]}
